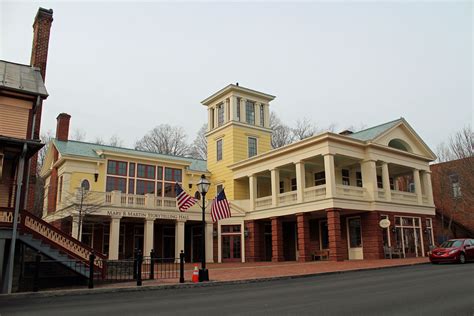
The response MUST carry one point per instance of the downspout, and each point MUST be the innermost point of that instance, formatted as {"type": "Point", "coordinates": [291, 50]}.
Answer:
{"type": "Point", "coordinates": [16, 213]}
{"type": "Point", "coordinates": [33, 125]}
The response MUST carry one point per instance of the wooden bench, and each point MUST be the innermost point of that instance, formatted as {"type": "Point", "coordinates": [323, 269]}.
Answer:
{"type": "Point", "coordinates": [321, 255]}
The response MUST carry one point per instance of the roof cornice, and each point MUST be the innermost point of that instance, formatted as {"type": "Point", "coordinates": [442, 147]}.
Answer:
{"type": "Point", "coordinates": [233, 87]}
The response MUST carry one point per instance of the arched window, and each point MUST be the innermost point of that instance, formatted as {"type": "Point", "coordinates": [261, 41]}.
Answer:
{"type": "Point", "coordinates": [399, 144]}
{"type": "Point", "coordinates": [85, 185]}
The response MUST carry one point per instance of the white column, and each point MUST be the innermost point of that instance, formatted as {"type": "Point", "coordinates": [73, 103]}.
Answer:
{"type": "Point", "coordinates": [209, 242]}
{"type": "Point", "coordinates": [209, 119]}
{"type": "Point", "coordinates": [386, 181]}
{"type": "Point", "coordinates": [253, 191]}
{"type": "Point", "coordinates": [232, 108]}
{"type": "Point", "coordinates": [369, 178]}
{"type": "Point", "coordinates": [267, 116]}
{"type": "Point", "coordinates": [226, 111]}
{"type": "Point", "coordinates": [300, 181]}
{"type": "Point", "coordinates": [114, 234]}
{"type": "Point", "coordinates": [275, 174]}
{"type": "Point", "coordinates": [148, 238]}
{"type": "Point", "coordinates": [330, 173]}
{"type": "Point", "coordinates": [75, 227]}
{"type": "Point", "coordinates": [257, 113]}
{"type": "Point", "coordinates": [418, 191]}
{"type": "Point", "coordinates": [179, 237]}
{"type": "Point", "coordinates": [243, 110]}
{"type": "Point", "coordinates": [428, 186]}
{"type": "Point", "coordinates": [216, 117]}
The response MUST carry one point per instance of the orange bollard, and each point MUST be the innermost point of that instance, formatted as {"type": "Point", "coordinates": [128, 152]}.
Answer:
{"type": "Point", "coordinates": [195, 274]}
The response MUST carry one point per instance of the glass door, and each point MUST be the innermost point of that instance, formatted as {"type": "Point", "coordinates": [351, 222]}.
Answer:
{"type": "Point", "coordinates": [354, 233]}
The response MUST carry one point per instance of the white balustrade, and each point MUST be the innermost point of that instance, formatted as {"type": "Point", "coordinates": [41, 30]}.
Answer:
{"type": "Point", "coordinates": [287, 198]}
{"type": "Point", "coordinates": [315, 193]}
{"type": "Point", "coordinates": [404, 197]}
{"type": "Point", "coordinates": [350, 191]}
{"type": "Point", "coordinates": [263, 201]}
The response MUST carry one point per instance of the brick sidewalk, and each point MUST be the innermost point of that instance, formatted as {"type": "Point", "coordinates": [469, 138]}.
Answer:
{"type": "Point", "coordinates": [263, 270]}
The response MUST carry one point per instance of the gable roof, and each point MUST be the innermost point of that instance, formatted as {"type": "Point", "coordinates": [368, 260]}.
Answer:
{"type": "Point", "coordinates": [21, 78]}
{"type": "Point", "coordinates": [375, 131]}
{"type": "Point", "coordinates": [91, 150]}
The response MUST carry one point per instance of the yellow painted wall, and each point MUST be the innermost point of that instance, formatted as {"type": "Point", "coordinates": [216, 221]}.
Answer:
{"type": "Point", "coordinates": [234, 149]}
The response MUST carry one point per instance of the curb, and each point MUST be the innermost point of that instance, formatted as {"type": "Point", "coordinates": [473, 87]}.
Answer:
{"type": "Point", "coordinates": [75, 292]}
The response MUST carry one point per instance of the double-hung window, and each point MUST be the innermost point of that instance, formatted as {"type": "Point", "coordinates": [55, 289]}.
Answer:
{"type": "Point", "coordinates": [345, 177]}
{"type": "Point", "coordinates": [319, 178]}
{"type": "Point", "coordinates": [262, 115]}
{"type": "Point", "coordinates": [250, 112]}
{"type": "Point", "coordinates": [238, 109]}
{"type": "Point", "coordinates": [219, 149]}
{"type": "Point", "coordinates": [252, 146]}
{"type": "Point", "coordinates": [220, 114]}
{"type": "Point", "coordinates": [359, 179]}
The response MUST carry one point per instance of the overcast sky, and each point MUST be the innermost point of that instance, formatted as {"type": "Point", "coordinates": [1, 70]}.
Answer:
{"type": "Point", "coordinates": [123, 68]}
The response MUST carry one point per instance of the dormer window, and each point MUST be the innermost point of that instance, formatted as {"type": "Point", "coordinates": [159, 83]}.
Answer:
{"type": "Point", "coordinates": [250, 112]}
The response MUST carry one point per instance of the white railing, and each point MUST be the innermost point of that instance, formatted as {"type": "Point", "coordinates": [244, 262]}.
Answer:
{"type": "Point", "coordinates": [287, 197]}
{"type": "Point", "coordinates": [116, 198]}
{"type": "Point", "coordinates": [263, 201]}
{"type": "Point", "coordinates": [406, 197]}
{"type": "Point", "coordinates": [350, 191]}
{"type": "Point", "coordinates": [132, 200]}
{"type": "Point", "coordinates": [315, 193]}
{"type": "Point", "coordinates": [381, 194]}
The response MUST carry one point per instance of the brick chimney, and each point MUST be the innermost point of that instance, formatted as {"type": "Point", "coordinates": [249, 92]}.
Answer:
{"type": "Point", "coordinates": [41, 30]}
{"type": "Point", "coordinates": [62, 127]}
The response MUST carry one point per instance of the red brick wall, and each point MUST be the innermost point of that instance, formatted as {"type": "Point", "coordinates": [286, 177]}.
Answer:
{"type": "Point", "coordinates": [253, 249]}
{"type": "Point", "coordinates": [334, 232]}
{"type": "Point", "coordinates": [304, 244]}
{"type": "Point", "coordinates": [277, 239]}
{"type": "Point", "coordinates": [372, 238]}
{"type": "Point", "coordinates": [460, 209]}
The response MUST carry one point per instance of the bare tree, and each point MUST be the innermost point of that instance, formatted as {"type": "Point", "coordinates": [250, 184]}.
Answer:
{"type": "Point", "coordinates": [304, 128]}
{"type": "Point", "coordinates": [114, 141]}
{"type": "Point", "coordinates": [164, 139]}
{"type": "Point", "coordinates": [39, 184]}
{"type": "Point", "coordinates": [199, 146]}
{"type": "Point", "coordinates": [281, 133]}
{"type": "Point", "coordinates": [78, 134]}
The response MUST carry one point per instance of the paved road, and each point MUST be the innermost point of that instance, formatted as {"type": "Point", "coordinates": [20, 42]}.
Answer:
{"type": "Point", "coordinates": [416, 290]}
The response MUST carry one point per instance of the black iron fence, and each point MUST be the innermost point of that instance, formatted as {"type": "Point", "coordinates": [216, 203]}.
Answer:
{"type": "Point", "coordinates": [139, 268]}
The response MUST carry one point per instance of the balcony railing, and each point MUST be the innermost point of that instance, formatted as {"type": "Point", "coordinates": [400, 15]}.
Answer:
{"type": "Point", "coordinates": [287, 197]}
{"type": "Point", "coordinates": [315, 193]}
{"type": "Point", "coordinates": [350, 191]}
{"type": "Point", "coordinates": [404, 197]}
{"type": "Point", "coordinates": [116, 198]}
{"type": "Point", "coordinates": [263, 202]}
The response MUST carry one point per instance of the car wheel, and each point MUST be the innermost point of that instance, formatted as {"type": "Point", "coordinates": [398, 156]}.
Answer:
{"type": "Point", "coordinates": [462, 258]}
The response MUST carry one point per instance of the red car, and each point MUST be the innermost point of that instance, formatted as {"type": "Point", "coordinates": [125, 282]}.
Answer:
{"type": "Point", "coordinates": [453, 250]}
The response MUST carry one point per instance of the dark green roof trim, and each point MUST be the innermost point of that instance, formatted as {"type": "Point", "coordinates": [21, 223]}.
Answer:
{"type": "Point", "coordinates": [89, 150]}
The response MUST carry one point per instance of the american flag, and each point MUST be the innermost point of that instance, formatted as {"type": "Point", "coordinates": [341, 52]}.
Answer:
{"type": "Point", "coordinates": [220, 207]}
{"type": "Point", "coordinates": [183, 199]}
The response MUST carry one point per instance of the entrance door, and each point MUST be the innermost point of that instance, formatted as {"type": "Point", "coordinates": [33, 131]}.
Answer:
{"type": "Point", "coordinates": [354, 240]}
{"type": "Point", "coordinates": [267, 241]}
{"type": "Point", "coordinates": [231, 250]}
{"type": "Point", "coordinates": [196, 243]}
{"type": "Point", "coordinates": [168, 242]}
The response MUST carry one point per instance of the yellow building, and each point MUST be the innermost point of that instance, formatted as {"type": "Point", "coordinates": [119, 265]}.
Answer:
{"type": "Point", "coordinates": [353, 196]}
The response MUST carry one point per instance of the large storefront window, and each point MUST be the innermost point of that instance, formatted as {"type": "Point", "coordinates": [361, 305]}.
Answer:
{"type": "Point", "coordinates": [136, 178]}
{"type": "Point", "coordinates": [408, 236]}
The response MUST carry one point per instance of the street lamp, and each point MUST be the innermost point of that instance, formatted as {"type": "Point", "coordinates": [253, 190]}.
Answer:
{"type": "Point", "coordinates": [203, 187]}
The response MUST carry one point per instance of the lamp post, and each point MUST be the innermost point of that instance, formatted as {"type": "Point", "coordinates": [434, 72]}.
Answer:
{"type": "Point", "coordinates": [203, 187]}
